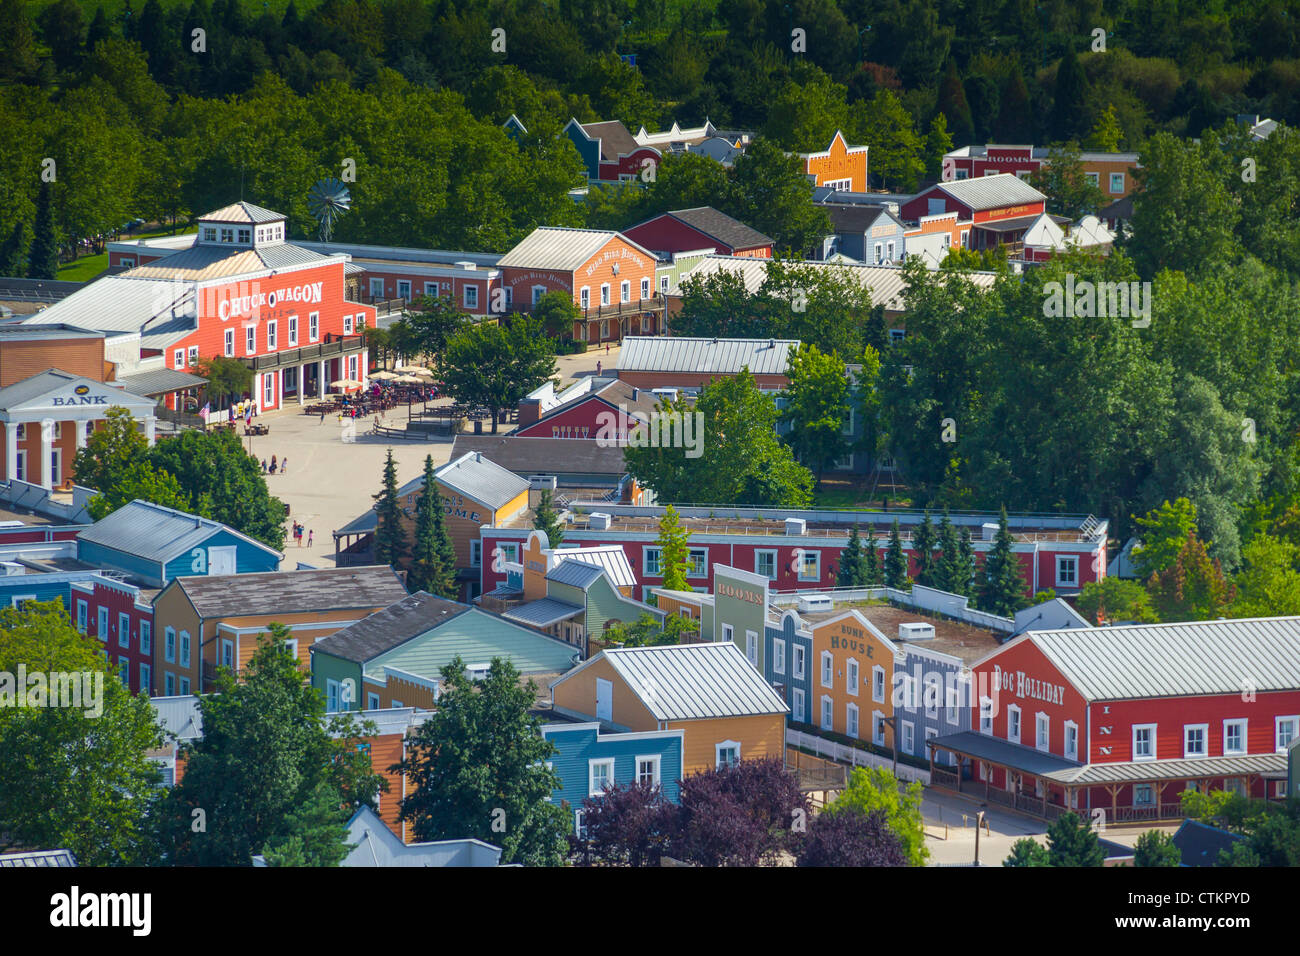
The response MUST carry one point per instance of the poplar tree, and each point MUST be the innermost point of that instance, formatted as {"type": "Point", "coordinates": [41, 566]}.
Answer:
{"type": "Point", "coordinates": [433, 557]}
{"type": "Point", "coordinates": [871, 564]}
{"type": "Point", "coordinates": [1003, 590]}
{"type": "Point", "coordinates": [852, 572]}
{"type": "Point", "coordinates": [895, 560]}
{"type": "Point", "coordinates": [547, 519]}
{"type": "Point", "coordinates": [390, 536]}
{"type": "Point", "coordinates": [673, 551]}
{"type": "Point", "coordinates": [966, 568]}
{"type": "Point", "coordinates": [947, 569]}
{"type": "Point", "coordinates": [43, 257]}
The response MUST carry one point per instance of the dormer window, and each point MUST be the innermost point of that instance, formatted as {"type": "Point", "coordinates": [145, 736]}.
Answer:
{"type": "Point", "coordinates": [227, 234]}
{"type": "Point", "coordinates": [261, 235]}
{"type": "Point", "coordinates": [209, 234]}
{"type": "Point", "coordinates": [245, 236]}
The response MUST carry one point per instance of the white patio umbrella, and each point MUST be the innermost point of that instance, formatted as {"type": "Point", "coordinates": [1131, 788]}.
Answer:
{"type": "Point", "coordinates": [385, 376]}
{"type": "Point", "coordinates": [345, 383]}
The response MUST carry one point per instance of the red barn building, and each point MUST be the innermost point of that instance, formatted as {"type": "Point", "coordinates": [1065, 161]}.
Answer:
{"type": "Point", "coordinates": [584, 409]}
{"type": "Point", "coordinates": [1117, 721]}
{"type": "Point", "coordinates": [991, 210]}
{"type": "Point", "coordinates": [688, 230]}
{"type": "Point", "coordinates": [1112, 173]}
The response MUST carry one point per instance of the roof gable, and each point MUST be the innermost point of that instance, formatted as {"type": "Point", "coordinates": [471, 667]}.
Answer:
{"type": "Point", "coordinates": [159, 534]}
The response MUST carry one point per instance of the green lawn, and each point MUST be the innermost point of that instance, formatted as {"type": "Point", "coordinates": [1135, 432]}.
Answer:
{"type": "Point", "coordinates": [856, 495]}
{"type": "Point", "coordinates": [87, 267]}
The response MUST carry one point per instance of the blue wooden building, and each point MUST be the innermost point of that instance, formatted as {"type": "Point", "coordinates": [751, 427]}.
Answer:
{"type": "Point", "coordinates": [156, 544]}
{"type": "Point", "coordinates": [588, 760]}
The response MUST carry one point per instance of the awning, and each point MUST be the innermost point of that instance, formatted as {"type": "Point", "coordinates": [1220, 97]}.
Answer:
{"type": "Point", "coordinates": [159, 382]}
{"type": "Point", "coordinates": [543, 612]}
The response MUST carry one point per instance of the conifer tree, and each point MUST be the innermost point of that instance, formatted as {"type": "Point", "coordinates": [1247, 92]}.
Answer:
{"type": "Point", "coordinates": [871, 564]}
{"type": "Point", "coordinates": [547, 519]}
{"type": "Point", "coordinates": [13, 254]}
{"type": "Point", "coordinates": [852, 572]}
{"type": "Point", "coordinates": [1003, 590]}
{"type": "Point", "coordinates": [966, 567]}
{"type": "Point", "coordinates": [895, 570]}
{"type": "Point", "coordinates": [390, 536]}
{"type": "Point", "coordinates": [947, 569]}
{"type": "Point", "coordinates": [673, 551]}
{"type": "Point", "coordinates": [43, 257]}
{"type": "Point", "coordinates": [923, 547]}
{"type": "Point", "coordinates": [433, 557]}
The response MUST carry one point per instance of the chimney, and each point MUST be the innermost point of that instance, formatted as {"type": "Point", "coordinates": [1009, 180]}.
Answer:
{"type": "Point", "coordinates": [530, 411]}
{"type": "Point", "coordinates": [478, 456]}
{"type": "Point", "coordinates": [636, 393]}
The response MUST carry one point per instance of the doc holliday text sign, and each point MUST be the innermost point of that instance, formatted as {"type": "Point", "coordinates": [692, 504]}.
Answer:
{"type": "Point", "coordinates": [1025, 686]}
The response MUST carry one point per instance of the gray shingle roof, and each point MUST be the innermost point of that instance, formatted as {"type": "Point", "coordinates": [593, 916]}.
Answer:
{"type": "Point", "coordinates": [615, 139]}
{"type": "Point", "coordinates": [156, 533]}
{"type": "Point", "coordinates": [720, 226]}
{"type": "Point", "coordinates": [695, 681]}
{"type": "Point", "coordinates": [546, 456]}
{"type": "Point", "coordinates": [664, 353]}
{"type": "Point", "coordinates": [292, 591]}
{"type": "Point", "coordinates": [1200, 843]}
{"type": "Point", "coordinates": [385, 629]}
{"type": "Point", "coordinates": [1171, 660]}
{"type": "Point", "coordinates": [991, 192]}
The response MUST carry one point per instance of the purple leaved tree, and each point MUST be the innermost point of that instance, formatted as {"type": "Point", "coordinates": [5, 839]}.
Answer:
{"type": "Point", "coordinates": [850, 838]}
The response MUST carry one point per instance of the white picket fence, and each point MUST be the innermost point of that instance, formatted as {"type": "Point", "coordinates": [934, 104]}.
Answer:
{"type": "Point", "coordinates": [854, 756]}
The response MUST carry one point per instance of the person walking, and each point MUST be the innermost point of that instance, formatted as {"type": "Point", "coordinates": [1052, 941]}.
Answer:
{"type": "Point", "coordinates": [284, 465]}
{"type": "Point", "coordinates": [322, 416]}
{"type": "Point", "coordinates": [598, 368]}
{"type": "Point", "coordinates": [309, 534]}
{"type": "Point", "coordinates": [264, 466]}
{"type": "Point", "coordinates": [273, 464]}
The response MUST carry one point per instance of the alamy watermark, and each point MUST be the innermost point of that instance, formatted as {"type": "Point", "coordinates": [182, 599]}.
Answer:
{"type": "Point", "coordinates": [82, 690]}
{"type": "Point", "coordinates": [672, 429]}
{"type": "Point", "coordinates": [1085, 299]}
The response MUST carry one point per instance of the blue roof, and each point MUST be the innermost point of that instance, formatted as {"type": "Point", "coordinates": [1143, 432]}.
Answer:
{"type": "Point", "coordinates": [156, 533]}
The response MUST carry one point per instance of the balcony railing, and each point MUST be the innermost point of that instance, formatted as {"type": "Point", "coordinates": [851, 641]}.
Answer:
{"type": "Point", "coordinates": [332, 346]}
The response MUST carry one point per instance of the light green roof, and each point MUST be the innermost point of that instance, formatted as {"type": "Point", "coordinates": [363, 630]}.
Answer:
{"type": "Point", "coordinates": [477, 637]}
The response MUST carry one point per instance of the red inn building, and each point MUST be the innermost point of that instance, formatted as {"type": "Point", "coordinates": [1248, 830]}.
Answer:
{"type": "Point", "coordinates": [1117, 721]}
{"type": "Point", "coordinates": [239, 290]}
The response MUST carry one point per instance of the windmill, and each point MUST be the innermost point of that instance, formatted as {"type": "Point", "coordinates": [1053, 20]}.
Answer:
{"type": "Point", "coordinates": [326, 201]}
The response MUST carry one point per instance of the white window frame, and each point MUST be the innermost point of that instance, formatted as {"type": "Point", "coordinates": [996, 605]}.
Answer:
{"type": "Point", "coordinates": [1071, 732]}
{"type": "Point", "coordinates": [592, 765]}
{"type": "Point", "coordinates": [313, 326]}
{"type": "Point", "coordinates": [1115, 191]}
{"type": "Point", "coordinates": [1240, 722]}
{"type": "Point", "coordinates": [658, 569]}
{"type": "Point", "coordinates": [703, 566]}
{"type": "Point", "coordinates": [726, 745]}
{"type": "Point", "coordinates": [797, 705]}
{"type": "Point", "coordinates": [852, 673]}
{"type": "Point", "coordinates": [1136, 729]}
{"type": "Point", "coordinates": [827, 715]}
{"type": "Point", "coordinates": [778, 655]}
{"type": "Point", "coordinates": [1093, 178]}
{"type": "Point", "coordinates": [799, 661]}
{"type": "Point", "coordinates": [771, 554]}
{"type": "Point", "coordinates": [751, 646]}
{"type": "Point", "coordinates": [1042, 732]}
{"type": "Point", "coordinates": [250, 340]}
{"type": "Point", "coordinates": [728, 634]}
{"type": "Point", "coordinates": [1205, 740]}
{"type": "Point", "coordinates": [827, 669]}
{"type": "Point", "coordinates": [852, 724]}
{"type": "Point", "coordinates": [604, 293]}
{"type": "Point", "coordinates": [878, 684]}
{"type": "Point", "coordinates": [908, 736]}
{"type": "Point", "coordinates": [1013, 711]}
{"type": "Point", "coordinates": [645, 289]}
{"type": "Point", "coordinates": [986, 715]}
{"type": "Point", "coordinates": [878, 728]}
{"type": "Point", "coordinates": [657, 761]}
{"type": "Point", "coordinates": [1293, 721]}
{"type": "Point", "coordinates": [347, 325]}
{"type": "Point", "coordinates": [407, 284]}
{"type": "Point", "coordinates": [179, 358]}
{"type": "Point", "coordinates": [1067, 570]}
{"type": "Point", "coordinates": [584, 298]}
{"type": "Point", "coordinates": [625, 291]}
{"type": "Point", "coordinates": [816, 557]}
{"type": "Point", "coordinates": [230, 343]}
{"type": "Point", "coordinates": [272, 335]}
{"type": "Point", "coordinates": [293, 331]}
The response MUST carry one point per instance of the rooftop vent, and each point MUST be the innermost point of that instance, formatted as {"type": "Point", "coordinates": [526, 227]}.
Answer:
{"type": "Point", "coordinates": [816, 602]}
{"type": "Point", "coordinates": [916, 632]}
{"type": "Point", "coordinates": [796, 526]}
{"type": "Point", "coordinates": [598, 521]}
{"type": "Point", "coordinates": [990, 530]}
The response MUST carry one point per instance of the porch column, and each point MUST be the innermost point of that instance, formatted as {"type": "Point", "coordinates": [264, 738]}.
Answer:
{"type": "Point", "coordinates": [151, 429]}
{"type": "Point", "coordinates": [11, 450]}
{"type": "Point", "coordinates": [302, 384]}
{"type": "Point", "coordinates": [47, 447]}
{"type": "Point", "coordinates": [320, 379]}
{"type": "Point", "coordinates": [83, 432]}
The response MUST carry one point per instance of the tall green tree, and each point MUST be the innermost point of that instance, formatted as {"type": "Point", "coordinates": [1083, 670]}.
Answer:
{"type": "Point", "coordinates": [966, 569]}
{"type": "Point", "coordinates": [1071, 842]}
{"type": "Point", "coordinates": [269, 768]}
{"type": "Point", "coordinates": [773, 197]}
{"type": "Point", "coordinates": [13, 252]}
{"type": "Point", "coordinates": [1268, 584]}
{"type": "Point", "coordinates": [876, 789]}
{"type": "Point", "coordinates": [871, 571]}
{"type": "Point", "coordinates": [433, 556]}
{"type": "Point", "coordinates": [947, 573]}
{"type": "Point", "coordinates": [1070, 100]}
{"type": "Point", "coordinates": [1154, 848]}
{"type": "Point", "coordinates": [923, 542]}
{"type": "Point", "coordinates": [1065, 183]}
{"type": "Point", "coordinates": [88, 782]}
{"type": "Point", "coordinates": [547, 519]}
{"type": "Point", "coordinates": [1163, 531]}
{"type": "Point", "coordinates": [390, 531]}
{"type": "Point", "coordinates": [477, 769]}
{"type": "Point", "coordinates": [953, 106]}
{"type": "Point", "coordinates": [1114, 599]}
{"type": "Point", "coordinates": [1028, 852]}
{"type": "Point", "coordinates": [817, 408]}
{"type": "Point", "coordinates": [1193, 588]}
{"type": "Point", "coordinates": [1003, 588]}
{"type": "Point", "coordinates": [674, 552]}
{"type": "Point", "coordinates": [852, 569]}
{"type": "Point", "coordinates": [895, 564]}
{"type": "Point", "coordinates": [43, 254]}
{"type": "Point", "coordinates": [494, 366]}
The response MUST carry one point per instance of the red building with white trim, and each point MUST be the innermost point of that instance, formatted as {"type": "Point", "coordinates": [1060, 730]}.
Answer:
{"type": "Point", "coordinates": [1117, 721]}
{"type": "Point", "coordinates": [121, 616]}
{"type": "Point", "coordinates": [991, 210]}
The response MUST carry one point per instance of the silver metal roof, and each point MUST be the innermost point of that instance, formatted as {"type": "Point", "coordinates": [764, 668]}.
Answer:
{"type": "Point", "coordinates": [204, 262]}
{"type": "Point", "coordinates": [1131, 771]}
{"type": "Point", "coordinates": [578, 574]}
{"type": "Point", "coordinates": [695, 681]}
{"type": "Point", "coordinates": [158, 381]}
{"type": "Point", "coordinates": [727, 356]}
{"type": "Point", "coordinates": [119, 304]}
{"type": "Point", "coordinates": [991, 192]}
{"type": "Point", "coordinates": [886, 284]}
{"type": "Point", "coordinates": [559, 248]}
{"type": "Point", "coordinates": [179, 715]}
{"type": "Point", "coordinates": [476, 477]}
{"type": "Point", "coordinates": [542, 612]}
{"type": "Point", "coordinates": [1173, 660]}
{"type": "Point", "coordinates": [610, 558]}
{"type": "Point", "coordinates": [156, 533]}
{"type": "Point", "coordinates": [242, 212]}
{"type": "Point", "coordinates": [37, 858]}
